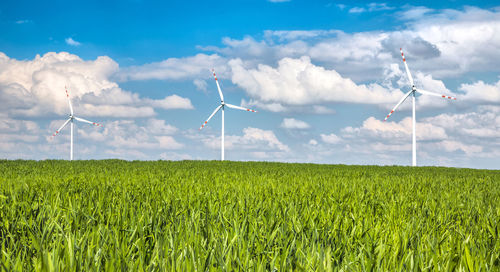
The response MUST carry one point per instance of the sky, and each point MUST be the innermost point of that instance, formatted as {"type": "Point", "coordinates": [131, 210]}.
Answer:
{"type": "Point", "coordinates": [321, 74]}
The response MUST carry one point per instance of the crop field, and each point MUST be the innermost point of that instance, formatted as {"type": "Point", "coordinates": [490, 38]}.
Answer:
{"type": "Point", "coordinates": [246, 216]}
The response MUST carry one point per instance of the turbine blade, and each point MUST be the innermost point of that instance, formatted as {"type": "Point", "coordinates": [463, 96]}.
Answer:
{"type": "Point", "coordinates": [435, 94]}
{"type": "Point", "coordinates": [69, 101]}
{"type": "Point", "coordinates": [87, 121]}
{"type": "Point", "coordinates": [240, 108]}
{"type": "Point", "coordinates": [210, 117]}
{"type": "Point", "coordinates": [399, 103]}
{"type": "Point", "coordinates": [406, 67]}
{"type": "Point", "coordinates": [218, 87]}
{"type": "Point", "coordinates": [59, 130]}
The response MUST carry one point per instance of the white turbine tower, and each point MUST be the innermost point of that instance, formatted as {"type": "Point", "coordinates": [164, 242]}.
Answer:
{"type": "Point", "coordinates": [70, 120]}
{"type": "Point", "coordinates": [222, 106]}
{"type": "Point", "coordinates": [412, 93]}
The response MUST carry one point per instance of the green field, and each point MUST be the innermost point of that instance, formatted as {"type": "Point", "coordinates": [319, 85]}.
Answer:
{"type": "Point", "coordinates": [246, 216]}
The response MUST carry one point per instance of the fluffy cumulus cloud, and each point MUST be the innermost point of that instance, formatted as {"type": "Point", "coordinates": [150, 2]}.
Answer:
{"type": "Point", "coordinates": [257, 143]}
{"type": "Point", "coordinates": [444, 43]}
{"type": "Point", "coordinates": [292, 123]}
{"type": "Point", "coordinates": [16, 135]}
{"type": "Point", "coordinates": [37, 88]}
{"type": "Point", "coordinates": [194, 67]}
{"type": "Point", "coordinates": [328, 138]}
{"type": "Point", "coordinates": [150, 138]}
{"type": "Point", "coordinates": [482, 126]}
{"type": "Point", "coordinates": [394, 131]}
{"type": "Point", "coordinates": [172, 102]}
{"type": "Point", "coordinates": [299, 82]}
{"type": "Point", "coordinates": [454, 139]}
{"type": "Point", "coordinates": [482, 92]}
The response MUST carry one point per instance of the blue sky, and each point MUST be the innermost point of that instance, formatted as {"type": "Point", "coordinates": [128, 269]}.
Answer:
{"type": "Point", "coordinates": [322, 75]}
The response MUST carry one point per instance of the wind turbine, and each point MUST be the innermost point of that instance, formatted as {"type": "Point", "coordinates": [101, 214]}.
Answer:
{"type": "Point", "coordinates": [70, 120]}
{"type": "Point", "coordinates": [222, 106]}
{"type": "Point", "coordinates": [412, 93]}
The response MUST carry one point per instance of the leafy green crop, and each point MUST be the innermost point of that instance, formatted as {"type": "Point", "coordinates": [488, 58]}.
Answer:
{"type": "Point", "coordinates": [249, 216]}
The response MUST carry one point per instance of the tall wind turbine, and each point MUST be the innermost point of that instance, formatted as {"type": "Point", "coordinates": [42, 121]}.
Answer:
{"type": "Point", "coordinates": [222, 106]}
{"type": "Point", "coordinates": [70, 120]}
{"type": "Point", "coordinates": [412, 93]}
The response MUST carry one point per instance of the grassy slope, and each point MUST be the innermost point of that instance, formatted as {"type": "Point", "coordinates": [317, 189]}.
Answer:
{"type": "Point", "coordinates": [246, 215]}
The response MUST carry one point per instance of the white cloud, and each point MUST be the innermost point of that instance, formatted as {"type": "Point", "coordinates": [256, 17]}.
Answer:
{"type": "Point", "coordinates": [370, 8]}
{"type": "Point", "coordinates": [414, 13]}
{"type": "Point", "coordinates": [129, 135]}
{"type": "Point", "coordinates": [18, 138]}
{"type": "Point", "coordinates": [72, 42]}
{"type": "Point", "coordinates": [117, 111]}
{"type": "Point", "coordinates": [36, 88]}
{"type": "Point", "coordinates": [379, 6]}
{"type": "Point", "coordinates": [16, 126]}
{"type": "Point", "coordinates": [445, 43]}
{"type": "Point", "coordinates": [395, 131]}
{"type": "Point", "coordinates": [272, 107]}
{"type": "Point", "coordinates": [450, 146]}
{"type": "Point", "coordinates": [253, 136]}
{"type": "Point", "coordinates": [299, 82]}
{"type": "Point", "coordinates": [156, 126]}
{"type": "Point", "coordinates": [330, 138]}
{"type": "Point", "coordinates": [252, 139]}
{"type": "Point", "coordinates": [473, 127]}
{"type": "Point", "coordinates": [313, 142]}
{"type": "Point", "coordinates": [291, 123]}
{"type": "Point", "coordinates": [17, 135]}
{"type": "Point", "coordinates": [293, 35]}
{"type": "Point", "coordinates": [481, 92]}
{"type": "Point", "coordinates": [322, 110]}
{"type": "Point", "coordinates": [173, 102]}
{"type": "Point", "coordinates": [200, 84]}
{"type": "Point", "coordinates": [168, 142]}
{"type": "Point", "coordinates": [357, 10]}
{"type": "Point", "coordinates": [278, 107]}
{"type": "Point", "coordinates": [450, 139]}
{"type": "Point", "coordinates": [193, 67]}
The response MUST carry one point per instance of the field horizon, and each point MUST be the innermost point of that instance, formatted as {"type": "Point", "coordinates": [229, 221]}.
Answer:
{"type": "Point", "coordinates": [254, 161]}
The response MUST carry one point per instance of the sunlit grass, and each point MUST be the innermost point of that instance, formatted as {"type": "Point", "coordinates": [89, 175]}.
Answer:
{"type": "Point", "coordinates": [185, 216]}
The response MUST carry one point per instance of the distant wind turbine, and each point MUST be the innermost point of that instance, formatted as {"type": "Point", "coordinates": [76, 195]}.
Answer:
{"type": "Point", "coordinates": [222, 106]}
{"type": "Point", "coordinates": [412, 92]}
{"type": "Point", "coordinates": [70, 120]}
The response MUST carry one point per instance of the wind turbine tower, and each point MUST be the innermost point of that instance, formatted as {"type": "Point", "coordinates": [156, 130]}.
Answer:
{"type": "Point", "coordinates": [412, 92]}
{"type": "Point", "coordinates": [222, 107]}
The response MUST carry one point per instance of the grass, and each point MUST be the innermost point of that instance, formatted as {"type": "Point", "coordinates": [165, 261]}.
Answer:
{"type": "Point", "coordinates": [249, 216]}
